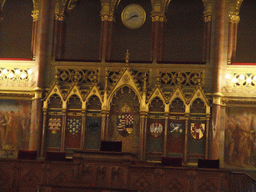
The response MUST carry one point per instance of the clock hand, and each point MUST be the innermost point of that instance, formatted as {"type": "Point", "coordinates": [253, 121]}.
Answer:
{"type": "Point", "coordinates": [132, 17]}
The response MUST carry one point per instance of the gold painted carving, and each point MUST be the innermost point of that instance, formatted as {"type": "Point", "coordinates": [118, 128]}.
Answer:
{"type": "Point", "coordinates": [158, 18]}
{"type": "Point", "coordinates": [234, 18]}
{"type": "Point", "coordinates": [59, 17]}
{"type": "Point", "coordinates": [107, 18]}
{"type": "Point", "coordinates": [34, 15]}
{"type": "Point", "coordinates": [207, 18]}
{"type": "Point", "coordinates": [126, 78]}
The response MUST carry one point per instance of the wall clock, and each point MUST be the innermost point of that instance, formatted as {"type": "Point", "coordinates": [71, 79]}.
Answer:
{"type": "Point", "coordinates": [133, 16]}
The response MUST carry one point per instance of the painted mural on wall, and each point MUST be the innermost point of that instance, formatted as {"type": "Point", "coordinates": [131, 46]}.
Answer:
{"type": "Point", "coordinates": [124, 120]}
{"type": "Point", "coordinates": [240, 132]}
{"type": "Point", "coordinates": [15, 116]}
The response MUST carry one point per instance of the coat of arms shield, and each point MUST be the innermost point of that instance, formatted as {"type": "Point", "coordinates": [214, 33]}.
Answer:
{"type": "Point", "coordinates": [54, 125]}
{"type": "Point", "coordinates": [125, 121]}
{"type": "Point", "coordinates": [197, 130]}
{"type": "Point", "coordinates": [156, 128]}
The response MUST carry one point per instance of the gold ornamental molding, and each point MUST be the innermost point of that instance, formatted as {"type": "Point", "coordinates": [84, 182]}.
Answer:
{"type": "Point", "coordinates": [160, 5]}
{"type": "Point", "coordinates": [108, 7]}
{"type": "Point", "coordinates": [240, 82]}
{"type": "Point", "coordinates": [35, 11]}
{"type": "Point", "coordinates": [242, 102]}
{"type": "Point", "coordinates": [17, 95]}
{"type": "Point", "coordinates": [17, 77]}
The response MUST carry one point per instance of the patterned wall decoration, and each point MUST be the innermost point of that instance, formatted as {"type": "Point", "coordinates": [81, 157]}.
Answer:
{"type": "Point", "coordinates": [176, 138]}
{"type": "Point", "coordinates": [15, 116]}
{"type": "Point", "coordinates": [73, 130]}
{"type": "Point", "coordinates": [240, 137]}
{"type": "Point", "coordinates": [125, 102]}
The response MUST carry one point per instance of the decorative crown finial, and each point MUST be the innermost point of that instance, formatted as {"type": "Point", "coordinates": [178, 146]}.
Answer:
{"type": "Point", "coordinates": [127, 56]}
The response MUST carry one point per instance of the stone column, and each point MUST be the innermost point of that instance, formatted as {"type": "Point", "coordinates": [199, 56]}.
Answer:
{"type": "Point", "coordinates": [106, 36]}
{"type": "Point", "coordinates": [34, 33]}
{"type": "Point", "coordinates": [218, 63]}
{"type": "Point", "coordinates": [58, 47]}
{"type": "Point", "coordinates": [157, 37]}
{"type": "Point", "coordinates": [232, 38]}
{"type": "Point", "coordinates": [43, 53]}
{"type": "Point", "coordinates": [207, 37]}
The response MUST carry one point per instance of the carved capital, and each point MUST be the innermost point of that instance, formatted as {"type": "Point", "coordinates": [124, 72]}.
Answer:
{"type": "Point", "coordinates": [158, 18]}
{"type": "Point", "coordinates": [234, 18]}
{"type": "Point", "coordinates": [59, 17]}
{"type": "Point", "coordinates": [34, 15]}
{"type": "Point", "coordinates": [107, 18]}
{"type": "Point", "coordinates": [207, 18]}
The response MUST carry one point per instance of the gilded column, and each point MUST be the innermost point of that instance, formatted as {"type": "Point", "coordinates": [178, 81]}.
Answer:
{"type": "Point", "coordinates": [34, 33]}
{"type": "Point", "coordinates": [214, 139]}
{"type": "Point", "coordinates": [207, 36]}
{"type": "Point", "coordinates": [42, 59]}
{"type": "Point", "coordinates": [185, 159]}
{"type": "Point", "coordinates": [207, 136]}
{"type": "Point", "coordinates": [103, 135]}
{"type": "Point", "coordinates": [59, 26]}
{"type": "Point", "coordinates": [165, 133]}
{"type": "Point", "coordinates": [63, 129]}
{"type": "Point", "coordinates": [157, 36]}
{"type": "Point", "coordinates": [232, 38]}
{"type": "Point", "coordinates": [106, 36]}
{"type": "Point", "coordinates": [43, 132]}
{"type": "Point", "coordinates": [82, 147]}
{"type": "Point", "coordinates": [142, 137]}
{"type": "Point", "coordinates": [145, 135]}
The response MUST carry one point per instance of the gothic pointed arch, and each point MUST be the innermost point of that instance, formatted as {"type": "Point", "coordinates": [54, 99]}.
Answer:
{"type": "Point", "coordinates": [54, 90]}
{"type": "Point", "coordinates": [157, 93]}
{"type": "Point", "coordinates": [94, 91]}
{"type": "Point", "coordinates": [199, 94]}
{"type": "Point", "coordinates": [178, 92]}
{"type": "Point", "coordinates": [75, 90]}
{"type": "Point", "coordinates": [125, 80]}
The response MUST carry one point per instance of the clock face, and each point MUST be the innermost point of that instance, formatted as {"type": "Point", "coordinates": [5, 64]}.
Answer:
{"type": "Point", "coordinates": [133, 16]}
